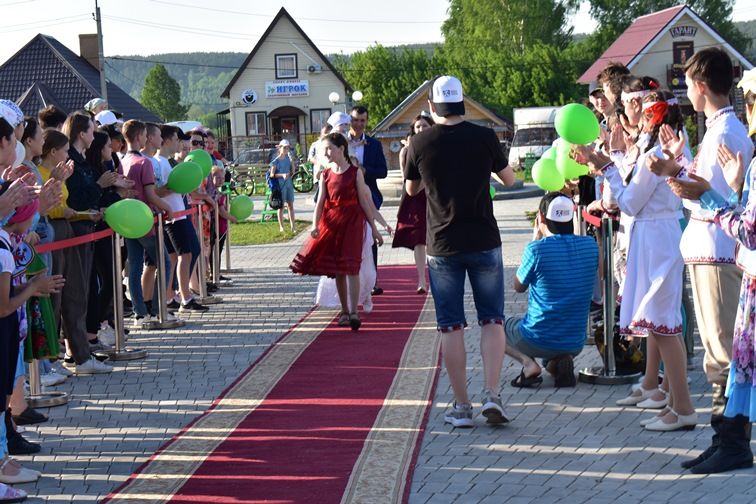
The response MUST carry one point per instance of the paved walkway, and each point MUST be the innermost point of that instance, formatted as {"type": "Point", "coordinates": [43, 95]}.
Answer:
{"type": "Point", "coordinates": [571, 444]}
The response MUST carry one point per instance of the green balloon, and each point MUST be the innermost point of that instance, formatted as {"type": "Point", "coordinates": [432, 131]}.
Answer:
{"type": "Point", "coordinates": [492, 191]}
{"type": "Point", "coordinates": [185, 177]}
{"type": "Point", "coordinates": [550, 153]}
{"type": "Point", "coordinates": [129, 218]}
{"type": "Point", "coordinates": [577, 124]}
{"type": "Point", "coordinates": [241, 207]}
{"type": "Point", "coordinates": [203, 159]}
{"type": "Point", "coordinates": [568, 167]}
{"type": "Point", "coordinates": [546, 176]}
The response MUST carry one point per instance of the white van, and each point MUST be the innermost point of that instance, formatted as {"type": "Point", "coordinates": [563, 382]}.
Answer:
{"type": "Point", "coordinates": [534, 133]}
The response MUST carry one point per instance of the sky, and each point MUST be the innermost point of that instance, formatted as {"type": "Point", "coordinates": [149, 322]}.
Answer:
{"type": "Point", "coordinates": [149, 27]}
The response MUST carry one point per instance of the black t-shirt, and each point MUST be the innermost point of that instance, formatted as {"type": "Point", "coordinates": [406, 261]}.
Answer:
{"type": "Point", "coordinates": [455, 163]}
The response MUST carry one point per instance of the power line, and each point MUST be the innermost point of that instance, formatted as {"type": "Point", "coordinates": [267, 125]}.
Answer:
{"type": "Point", "coordinates": [36, 26]}
{"type": "Point", "coordinates": [322, 20]}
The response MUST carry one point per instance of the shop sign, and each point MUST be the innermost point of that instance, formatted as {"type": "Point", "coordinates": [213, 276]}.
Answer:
{"type": "Point", "coordinates": [683, 31]}
{"type": "Point", "coordinates": [287, 88]}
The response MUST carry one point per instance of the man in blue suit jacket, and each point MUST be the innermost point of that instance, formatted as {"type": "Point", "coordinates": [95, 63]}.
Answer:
{"type": "Point", "coordinates": [369, 153]}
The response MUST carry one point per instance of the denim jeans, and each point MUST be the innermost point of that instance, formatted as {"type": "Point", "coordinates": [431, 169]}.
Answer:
{"type": "Point", "coordinates": [137, 249]}
{"type": "Point", "coordinates": [447, 279]}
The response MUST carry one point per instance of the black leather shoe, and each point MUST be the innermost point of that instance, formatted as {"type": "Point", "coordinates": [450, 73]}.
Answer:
{"type": "Point", "coordinates": [377, 291]}
{"type": "Point", "coordinates": [734, 451]}
{"type": "Point", "coordinates": [17, 445]}
{"type": "Point", "coordinates": [29, 416]}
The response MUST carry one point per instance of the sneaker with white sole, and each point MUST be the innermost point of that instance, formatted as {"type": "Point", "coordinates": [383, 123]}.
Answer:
{"type": "Point", "coordinates": [492, 409]}
{"type": "Point", "coordinates": [93, 366]}
{"type": "Point", "coordinates": [460, 415]}
{"type": "Point", "coordinates": [57, 367]}
{"type": "Point", "coordinates": [106, 334]}
{"type": "Point", "coordinates": [51, 379]}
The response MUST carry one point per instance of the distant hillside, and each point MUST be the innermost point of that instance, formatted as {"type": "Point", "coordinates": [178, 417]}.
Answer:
{"type": "Point", "coordinates": [202, 76]}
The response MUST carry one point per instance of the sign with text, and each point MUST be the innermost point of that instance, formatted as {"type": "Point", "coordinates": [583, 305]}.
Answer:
{"type": "Point", "coordinates": [287, 88]}
{"type": "Point", "coordinates": [683, 31]}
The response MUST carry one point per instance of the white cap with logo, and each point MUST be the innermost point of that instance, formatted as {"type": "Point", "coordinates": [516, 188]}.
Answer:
{"type": "Point", "coordinates": [447, 96]}
{"type": "Point", "coordinates": [559, 215]}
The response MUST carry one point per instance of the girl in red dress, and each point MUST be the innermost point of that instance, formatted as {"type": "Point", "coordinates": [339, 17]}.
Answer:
{"type": "Point", "coordinates": [334, 248]}
{"type": "Point", "coordinates": [410, 218]}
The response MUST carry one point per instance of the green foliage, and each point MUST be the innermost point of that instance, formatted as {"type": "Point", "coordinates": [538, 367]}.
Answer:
{"type": "Point", "coordinates": [385, 76]}
{"type": "Point", "coordinates": [162, 95]}
{"type": "Point", "coordinates": [691, 128]}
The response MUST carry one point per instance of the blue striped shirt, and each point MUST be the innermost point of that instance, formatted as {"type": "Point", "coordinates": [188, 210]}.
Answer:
{"type": "Point", "coordinates": [559, 271]}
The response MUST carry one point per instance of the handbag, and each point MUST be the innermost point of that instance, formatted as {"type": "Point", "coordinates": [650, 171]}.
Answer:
{"type": "Point", "coordinates": [276, 199]}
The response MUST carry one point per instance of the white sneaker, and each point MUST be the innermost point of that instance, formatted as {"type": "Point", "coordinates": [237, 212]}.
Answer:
{"type": "Point", "coordinates": [106, 334]}
{"type": "Point", "coordinates": [93, 366]}
{"type": "Point", "coordinates": [59, 368]}
{"type": "Point", "coordinates": [51, 379]}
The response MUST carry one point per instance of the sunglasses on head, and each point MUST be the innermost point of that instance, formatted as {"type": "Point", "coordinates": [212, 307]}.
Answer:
{"type": "Point", "coordinates": [198, 143]}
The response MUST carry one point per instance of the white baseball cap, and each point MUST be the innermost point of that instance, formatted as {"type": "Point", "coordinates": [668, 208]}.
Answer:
{"type": "Point", "coordinates": [106, 117]}
{"type": "Point", "coordinates": [284, 143]}
{"type": "Point", "coordinates": [339, 118]}
{"type": "Point", "coordinates": [447, 96]}
{"type": "Point", "coordinates": [559, 214]}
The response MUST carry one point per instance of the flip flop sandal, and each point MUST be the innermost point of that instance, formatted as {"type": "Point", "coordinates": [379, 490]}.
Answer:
{"type": "Point", "coordinates": [523, 381]}
{"type": "Point", "coordinates": [343, 319]}
{"type": "Point", "coordinates": [354, 321]}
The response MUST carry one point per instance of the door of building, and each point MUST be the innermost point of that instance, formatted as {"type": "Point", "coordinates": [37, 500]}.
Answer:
{"type": "Point", "coordinates": [286, 128]}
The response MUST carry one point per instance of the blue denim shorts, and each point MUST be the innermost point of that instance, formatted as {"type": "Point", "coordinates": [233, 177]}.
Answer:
{"type": "Point", "coordinates": [517, 340]}
{"type": "Point", "coordinates": [447, 278]}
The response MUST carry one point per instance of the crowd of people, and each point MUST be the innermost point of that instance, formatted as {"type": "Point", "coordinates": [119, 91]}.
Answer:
{"type": "Point", "coordinates": [674, 210]}
{"type": "Point", "coordinates": [59, 173]}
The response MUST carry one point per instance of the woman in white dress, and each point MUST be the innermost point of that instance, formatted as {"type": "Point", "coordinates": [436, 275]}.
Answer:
{"type": "Point", "coordinates": [652, 292]}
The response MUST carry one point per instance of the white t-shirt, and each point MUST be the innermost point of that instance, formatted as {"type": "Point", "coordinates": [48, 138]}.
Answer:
{"type": "Point", "coordinates": [7, 263]}
{"type": "Point", "coordinates": [174, 200]}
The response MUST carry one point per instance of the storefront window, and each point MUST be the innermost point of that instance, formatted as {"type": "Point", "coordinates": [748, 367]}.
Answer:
{"type": "Point", "coordinates": [318, 118]}
{"type": "Point", "coordinates": [256, 124]}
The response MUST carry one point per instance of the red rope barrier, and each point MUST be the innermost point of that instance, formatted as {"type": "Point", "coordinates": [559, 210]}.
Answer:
{"type": "Point", "coordinates": [98, 235]}
{"type": "Point", "coordinates": [592, 219]}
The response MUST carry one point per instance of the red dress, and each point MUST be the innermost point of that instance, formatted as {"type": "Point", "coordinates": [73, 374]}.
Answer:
{"type": "Point", "coordinates": [338, 249]}
{"type": "Point", "coordinates": [410, 221]}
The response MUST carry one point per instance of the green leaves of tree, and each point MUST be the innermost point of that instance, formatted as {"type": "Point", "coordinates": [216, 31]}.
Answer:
{"type": "Point", "coordinates": [162, 95]}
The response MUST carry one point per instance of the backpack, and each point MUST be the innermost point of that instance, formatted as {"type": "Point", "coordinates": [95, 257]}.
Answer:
{"type": "Point", "coordinates": [276, 198]}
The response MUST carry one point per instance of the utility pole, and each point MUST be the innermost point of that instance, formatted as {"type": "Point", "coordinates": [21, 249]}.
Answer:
{"type": "Point", "coordinates": [101, 54]}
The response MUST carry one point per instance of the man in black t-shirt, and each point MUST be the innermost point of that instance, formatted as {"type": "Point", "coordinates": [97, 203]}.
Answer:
{"type": "Point", "coordinates": [454, 161]}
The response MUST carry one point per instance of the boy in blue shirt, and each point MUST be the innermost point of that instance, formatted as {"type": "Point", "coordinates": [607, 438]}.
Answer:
{"type": "Point", "coordinates": [559, 268]}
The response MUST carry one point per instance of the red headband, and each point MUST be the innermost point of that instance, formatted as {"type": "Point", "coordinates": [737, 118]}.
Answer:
{"type": "Point", "coordinates": [655, 114]}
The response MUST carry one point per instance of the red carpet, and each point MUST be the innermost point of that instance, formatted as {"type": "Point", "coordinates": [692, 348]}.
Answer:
{"type": "Point", "coordinates": [336, 418]}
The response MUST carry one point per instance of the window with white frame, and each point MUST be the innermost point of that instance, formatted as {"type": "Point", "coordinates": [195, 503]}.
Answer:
{"type": "Point", "coordinates": [318, 118]}
{"type": "Point", "coordinates": [256, 124]}
{"type": "Point", "coordinates": [286, 66]}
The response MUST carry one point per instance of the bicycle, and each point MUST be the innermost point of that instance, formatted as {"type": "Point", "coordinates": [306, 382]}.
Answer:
{"type": "Point", "coordinates": [241, 183]}
{"type": "Point", "coordinates": [302, 179]}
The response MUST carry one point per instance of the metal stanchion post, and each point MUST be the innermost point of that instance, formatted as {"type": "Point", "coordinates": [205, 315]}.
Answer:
{"type": "Point", "coordinates": [162, 322]}
{"type": "Point", "coordinates": [120, 352]}
{"type": "Point", "coordinates": [228, 268]}
{"type": "Point", "coordinates": [216, 247]}
{"type": "Point", "coordinates": [607, 375]}
{"type": "Point", "coordinates": [582, 228]}
{"type": "Point", "coordinates": [201, 265]}
{"type": "Point", "coordinates": [39, 399]}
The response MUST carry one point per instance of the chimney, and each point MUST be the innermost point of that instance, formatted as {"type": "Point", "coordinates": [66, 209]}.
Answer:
{"type": "Point", "coordinates": [88, 49]}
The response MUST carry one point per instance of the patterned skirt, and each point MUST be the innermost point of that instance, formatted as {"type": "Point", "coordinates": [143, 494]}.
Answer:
{"type": "Point", "coordinates": [741, 384]}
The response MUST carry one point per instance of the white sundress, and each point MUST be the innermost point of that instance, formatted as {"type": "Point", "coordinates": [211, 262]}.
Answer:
{"type": "Point", "coordinates": [652, 290]}
{"type": "Point", "coordinates": [328, 297]}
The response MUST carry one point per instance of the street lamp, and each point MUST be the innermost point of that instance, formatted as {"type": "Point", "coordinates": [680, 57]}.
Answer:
{"type": "Point", "coordinates": [334, 98]}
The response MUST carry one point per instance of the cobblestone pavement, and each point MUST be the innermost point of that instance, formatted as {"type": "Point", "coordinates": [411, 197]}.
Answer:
{"type": "Point", "coordinates": [571, 444]}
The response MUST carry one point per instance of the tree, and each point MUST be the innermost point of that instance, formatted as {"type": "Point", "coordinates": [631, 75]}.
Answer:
{"type": "Point", "coordinates": [162, 95]}
{"type": "Point", "coordinates": [385, 76]}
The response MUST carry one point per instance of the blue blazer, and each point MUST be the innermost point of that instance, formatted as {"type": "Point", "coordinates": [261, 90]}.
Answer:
{"type": "Point", "coordinates": [375, 167]}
